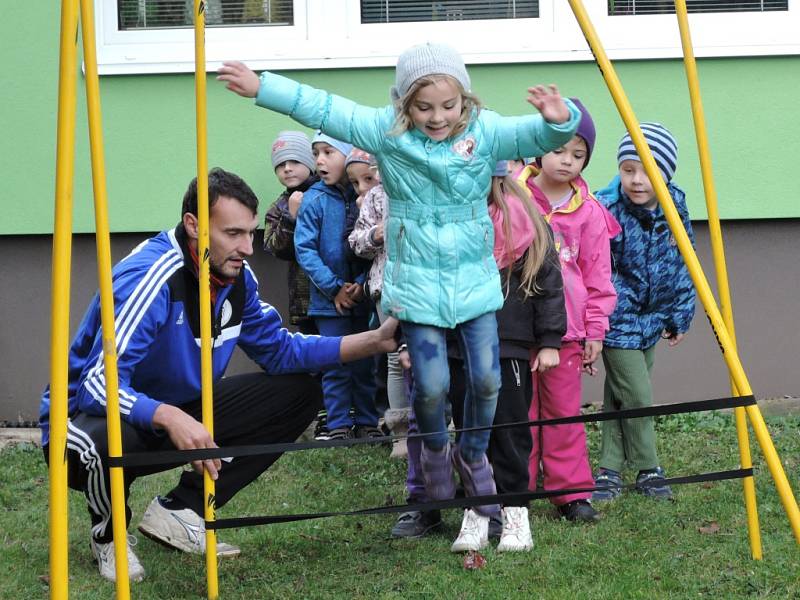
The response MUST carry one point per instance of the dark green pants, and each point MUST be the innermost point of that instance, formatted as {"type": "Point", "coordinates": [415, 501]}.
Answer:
{"type": "Point", "coordinates": [630, 442]}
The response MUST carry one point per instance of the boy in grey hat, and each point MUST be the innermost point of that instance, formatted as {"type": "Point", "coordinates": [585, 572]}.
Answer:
{"type": "Point", "coordinates": [293, 163]}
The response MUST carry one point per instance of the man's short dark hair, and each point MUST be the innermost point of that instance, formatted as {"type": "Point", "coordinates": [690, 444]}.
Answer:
{"type": "Point", "coordinates": [220, 183]}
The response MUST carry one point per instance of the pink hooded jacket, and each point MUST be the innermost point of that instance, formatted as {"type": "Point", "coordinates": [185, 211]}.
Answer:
{"type": "Point", "coordinates": [582, 230]}
{"type": "Point", "coordinates": [522, 231]}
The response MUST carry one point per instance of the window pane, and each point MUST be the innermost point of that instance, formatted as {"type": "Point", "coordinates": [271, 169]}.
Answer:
{"type": "Point", "coordinates": [652, 7]}
{"type": "Point", "coordinates": [159, 14]}
{"type": "Point", "coordinates": [400, 11]}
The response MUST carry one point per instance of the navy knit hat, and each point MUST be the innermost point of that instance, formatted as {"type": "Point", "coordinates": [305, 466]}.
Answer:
{"type": "Point", "coordinates": [292, 145]}
{"type": "Point", "coordinates": [585, 129]}
{"type": "Point", "coordinates": [428, 59]}
{"type": "Point", "coordinates": [341, 146]}
{"type": "Point", "coordinates": [662, 144]}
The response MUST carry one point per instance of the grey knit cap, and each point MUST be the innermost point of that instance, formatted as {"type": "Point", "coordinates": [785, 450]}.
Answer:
{"type": "Point", "coordinates": [428, 59]}
{"type": "Point", "coordinates": [662, 144]}
{"type": "Point", "coordinates": [292, 145]}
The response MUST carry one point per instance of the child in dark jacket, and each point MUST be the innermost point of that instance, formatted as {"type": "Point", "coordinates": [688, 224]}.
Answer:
{"type": "Point", "coordinates": [337, 301]}
{"type": "Point", "coordinates": [530, 324]}
{"type": "Point", "coordinates": [656, 300]}
{"type": "Point", "coordinates": [293, 164]}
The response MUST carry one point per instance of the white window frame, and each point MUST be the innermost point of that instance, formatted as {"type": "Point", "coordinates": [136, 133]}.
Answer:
{"type": "Point", "coordinates": [329, 34]}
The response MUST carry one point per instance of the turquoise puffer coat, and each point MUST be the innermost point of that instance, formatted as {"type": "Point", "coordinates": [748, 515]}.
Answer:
{"type": "Point", "coordinates": [439, 238]}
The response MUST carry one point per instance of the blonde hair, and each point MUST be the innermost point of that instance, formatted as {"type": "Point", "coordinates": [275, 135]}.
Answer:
{"type": "Point", "coordinates": [470, 104]}
{"type": "Point", "coordinates": [537, 252]}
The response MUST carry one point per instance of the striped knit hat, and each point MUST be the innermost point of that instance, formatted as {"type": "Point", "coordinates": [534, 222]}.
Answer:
{"type": "Point", "coordinates": [662, 144]}
{"type": "Point", "coordinates": [292, 145]}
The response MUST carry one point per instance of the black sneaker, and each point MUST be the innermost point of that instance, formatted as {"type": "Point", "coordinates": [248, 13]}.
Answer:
{"type": "Point", "coordinates": [495, 527]}
{"type": "Point", "coordinates": [610, 485]}
{"type": "Point", "coordinates": [416, 523]}
{"type": "Point", "coordinates": [579, 510]}
{"type": "Point", "coordinates": [340, 433]}
{"type": "Point", "coordinates": [367, 431]}
{"type": "Point", "coordinates": [651, 483]}
{"type": "Point", "coordinates": [321, 429]}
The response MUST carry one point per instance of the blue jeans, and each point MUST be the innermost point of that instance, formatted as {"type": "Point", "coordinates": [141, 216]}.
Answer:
{"type": "Point", "coordinates": [351, 384]}
{"type": "Point", "coordinates": [479, 345]}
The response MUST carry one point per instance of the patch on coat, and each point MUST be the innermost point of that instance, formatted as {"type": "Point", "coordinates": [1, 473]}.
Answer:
{"type": "Point", "coordinates": [465, 147]}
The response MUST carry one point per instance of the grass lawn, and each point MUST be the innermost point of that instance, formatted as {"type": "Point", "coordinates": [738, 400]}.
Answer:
{"type": "Point", "coordinates": [641, 548]}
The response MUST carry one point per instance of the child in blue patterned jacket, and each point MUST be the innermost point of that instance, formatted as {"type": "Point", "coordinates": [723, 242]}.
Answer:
{"type": "Point", "coordinates": [656, 299]}
{"type": "Point", "coordinates": [436, 150]}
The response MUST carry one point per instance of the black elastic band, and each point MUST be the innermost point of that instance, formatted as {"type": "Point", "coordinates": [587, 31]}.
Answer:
{"type": "Point", "coordinates": [138, 459]}
{"type": "Point", "coordinates": [464, 502]}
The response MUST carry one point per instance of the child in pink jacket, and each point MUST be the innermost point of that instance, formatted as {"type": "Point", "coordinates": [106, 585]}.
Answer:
{"type": "Point", "coordinates": [582, 229]}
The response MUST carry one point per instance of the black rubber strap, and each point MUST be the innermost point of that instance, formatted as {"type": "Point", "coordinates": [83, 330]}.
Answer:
{"type": "Point", "coordinates": [138, 459]}
{"type": "Point", "coordinates": [463, 502]}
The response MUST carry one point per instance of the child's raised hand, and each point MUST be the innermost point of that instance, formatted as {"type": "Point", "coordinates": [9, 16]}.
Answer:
{"type": "Point", "coordinates": [546, 359]}
{"type": "Point", "coordinates": [239, 78]}
{"type": "Point", "coordinates": [548, 101]}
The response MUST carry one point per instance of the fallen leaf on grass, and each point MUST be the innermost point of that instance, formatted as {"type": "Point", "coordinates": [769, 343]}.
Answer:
{"type": "Point", "coordinates": [474, 560]}
{"type": "Point", "coordinates": [712, 527]}
{"type": "Point", "coordinates": [45, 579]}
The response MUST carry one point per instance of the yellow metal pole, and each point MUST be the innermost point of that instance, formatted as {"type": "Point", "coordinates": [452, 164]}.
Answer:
{"type": "Point", "coordinates": [720, 266]}
{"type": "Point", "coordinates": [207, 397]}
{"type": "Point", "coordinates": [693, 264]}
{"type": "Point", "coordinates": [59, 301]}
{"type": "Point", "coordinates": [113, 426]}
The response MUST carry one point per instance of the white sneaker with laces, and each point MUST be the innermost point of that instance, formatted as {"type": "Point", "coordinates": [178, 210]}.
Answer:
{"type": "Point", "coordinates": [107, 562]}
{"type": "Point", "coordinates": [180, 529]}
{"type": "Point", "coordinates": [516, 536]}
{"type": "Point", "coordinates": [474, 533]}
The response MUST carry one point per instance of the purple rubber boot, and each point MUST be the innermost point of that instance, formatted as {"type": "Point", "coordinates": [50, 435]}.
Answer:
{"type": "Point", "coordinates": [478, 480]}
{"type": "Point", "coordinates": [437, 468]}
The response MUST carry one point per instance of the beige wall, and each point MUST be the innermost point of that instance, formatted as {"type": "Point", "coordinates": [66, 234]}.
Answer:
{"type": "Point", "coordinates": [762, 263]}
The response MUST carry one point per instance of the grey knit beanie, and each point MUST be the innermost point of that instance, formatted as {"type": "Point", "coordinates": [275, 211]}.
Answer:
{"type": "Point", "coordinates": [428, 59]}
{"type": "Point", "coordinates": [662, 144]}
{"type": "Point", "coordinates": [292, 145]}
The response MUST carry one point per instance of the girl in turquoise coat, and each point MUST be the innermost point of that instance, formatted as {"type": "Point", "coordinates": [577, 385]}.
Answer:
{"type": "Point", "coordinates": [436, 150]}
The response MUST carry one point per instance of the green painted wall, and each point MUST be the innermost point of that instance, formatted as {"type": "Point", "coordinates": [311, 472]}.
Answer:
{"type": "Point", "coordinates": [750, 107]}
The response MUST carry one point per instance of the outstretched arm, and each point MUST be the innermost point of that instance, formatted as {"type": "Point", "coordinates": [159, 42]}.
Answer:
{"type": "Point", "coordinates": [339, 117]}
{"type": "Point", "coordinates": [238, 78]}
{"type": "Point", "coordinates": [548, 101]}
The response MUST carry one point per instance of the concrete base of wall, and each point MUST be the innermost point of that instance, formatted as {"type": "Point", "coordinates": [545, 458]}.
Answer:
{"type": "Point", "coordinates": [762, 265]}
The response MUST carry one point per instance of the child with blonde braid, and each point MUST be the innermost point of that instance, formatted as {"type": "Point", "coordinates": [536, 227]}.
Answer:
{"type": "Point", "coordinates": [436, 149]}
{"type": "Point", "coordinates": [530, 325]}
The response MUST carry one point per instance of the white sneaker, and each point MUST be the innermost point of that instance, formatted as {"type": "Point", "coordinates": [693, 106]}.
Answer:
{"type": "Point", "coordinates": [180, 529]}
{"type": "Point", "coordinates": [107, 562]}
{"type": "Point", "coordinates": [516, 536]}
{"type": "Point", "coordinates": [474, 533]}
